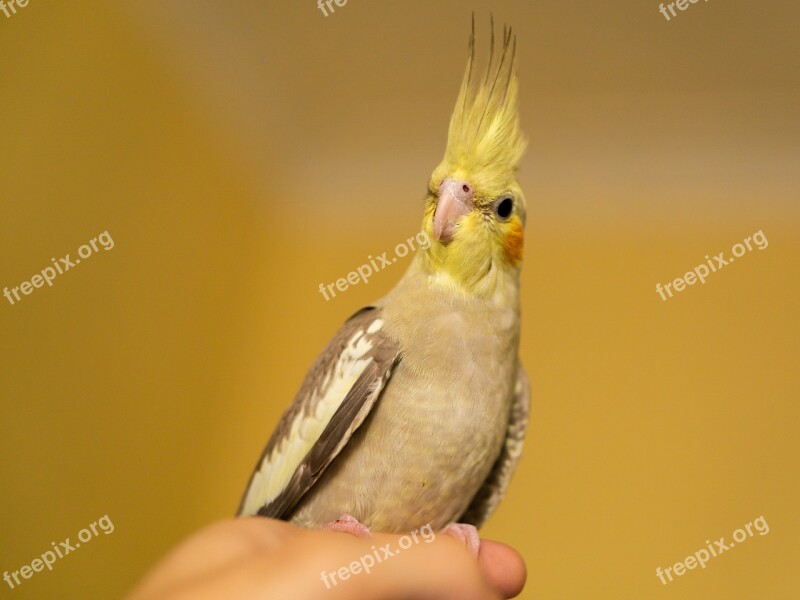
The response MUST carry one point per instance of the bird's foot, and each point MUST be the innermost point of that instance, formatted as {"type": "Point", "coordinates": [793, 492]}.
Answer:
{"type": "Point", "coordinates": [348, 524]}
{"type": "Point", "coordinates": [467, 534]}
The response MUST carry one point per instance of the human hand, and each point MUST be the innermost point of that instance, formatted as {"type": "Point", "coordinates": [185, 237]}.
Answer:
{"type": "Point", "coordinates": [258, 559]}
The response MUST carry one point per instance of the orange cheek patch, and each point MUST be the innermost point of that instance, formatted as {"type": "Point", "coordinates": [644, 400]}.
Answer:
{"type": "Point", "coordinates": [512, 244]}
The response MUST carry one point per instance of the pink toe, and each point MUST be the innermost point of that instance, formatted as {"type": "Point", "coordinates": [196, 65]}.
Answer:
{"type": "Point", "coordinates": [467, 534]}
{"type": "Point", "coordinates": [348, 524]}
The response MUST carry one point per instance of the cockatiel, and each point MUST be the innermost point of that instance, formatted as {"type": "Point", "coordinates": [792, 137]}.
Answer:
{"type": "Point", "coordinates": [415, 412]}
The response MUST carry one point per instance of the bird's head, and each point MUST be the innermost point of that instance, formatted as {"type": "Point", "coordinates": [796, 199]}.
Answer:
{"type": "Point", "coordinates": [475, 210]}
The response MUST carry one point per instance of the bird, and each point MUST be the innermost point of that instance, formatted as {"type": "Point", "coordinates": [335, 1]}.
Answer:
{"type": "Point", "coordinates": [415, 413]}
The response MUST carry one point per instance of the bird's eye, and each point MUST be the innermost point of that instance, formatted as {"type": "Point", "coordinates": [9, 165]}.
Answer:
{"type": "Point", "coordinates": [504, 207]}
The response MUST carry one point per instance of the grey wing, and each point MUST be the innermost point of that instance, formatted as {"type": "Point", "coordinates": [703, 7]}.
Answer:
{"type": "Point", "coordinates": [337, 394]}
{"type": "Point", "coordinates": [491, 492]}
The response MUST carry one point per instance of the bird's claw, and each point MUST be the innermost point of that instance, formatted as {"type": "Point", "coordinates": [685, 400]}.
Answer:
{"type": "Point", "coordinates": [465, 533]}
{"type": "Point", "coordinates": [348, 524]}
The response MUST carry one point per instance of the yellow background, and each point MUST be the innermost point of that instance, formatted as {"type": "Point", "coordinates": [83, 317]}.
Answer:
{"type": "Point", "coordinates": [240, 153]}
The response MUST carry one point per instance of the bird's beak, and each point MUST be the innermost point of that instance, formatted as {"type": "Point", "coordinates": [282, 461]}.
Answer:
{"type": "Point", "coordinates": [455, 201]}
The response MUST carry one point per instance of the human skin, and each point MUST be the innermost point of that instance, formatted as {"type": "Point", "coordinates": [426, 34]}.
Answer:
{"type": "Point", "coordinates": [258, 559]}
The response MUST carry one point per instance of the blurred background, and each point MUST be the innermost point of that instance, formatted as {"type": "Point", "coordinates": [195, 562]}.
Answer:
{"type": "Point", "coordinates": [241, 153]}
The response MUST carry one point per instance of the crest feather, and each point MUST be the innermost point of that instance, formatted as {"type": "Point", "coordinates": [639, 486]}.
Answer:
{"type": "Point", "coordinates": [484, 128]}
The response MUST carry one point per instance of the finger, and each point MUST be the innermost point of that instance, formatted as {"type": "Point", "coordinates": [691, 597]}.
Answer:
{"type": "Point", "coordinates": [246, 559]}
{"type": "Point", "coordinates": [503, 566]}
{"type": "Point", "coordinates": [330, 566]}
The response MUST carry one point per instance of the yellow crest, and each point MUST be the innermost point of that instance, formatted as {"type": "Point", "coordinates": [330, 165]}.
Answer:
{"type": "Point", "coordinates": [484, 135]}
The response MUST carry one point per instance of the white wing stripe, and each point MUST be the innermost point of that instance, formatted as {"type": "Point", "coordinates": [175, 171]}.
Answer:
{"type": "Point", "coordinates": [277, 468]}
